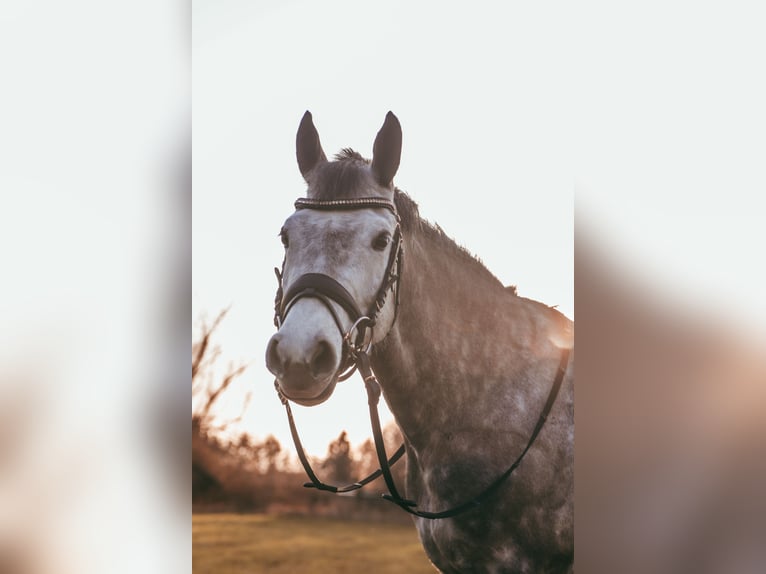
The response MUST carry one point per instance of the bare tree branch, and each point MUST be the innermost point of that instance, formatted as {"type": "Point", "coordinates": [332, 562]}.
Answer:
{"type": "Point", "coordinates": [227, 380]}
{"type": "Point", "coordinates": [200, 349]}
{"type": "Point", "coordinates": [224, 425]}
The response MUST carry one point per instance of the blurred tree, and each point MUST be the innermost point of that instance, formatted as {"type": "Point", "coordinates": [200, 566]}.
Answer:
{"type": "Point", "coordinates": [338, 464]}
{"type": "Point", "coordinates": [271, 449]}
{"type": "Point", "coordinates": [206, 390]}
{"type": "Point", "coordinates": [213, 467]}
{"type": "Point", "coordinates": [367, 459]}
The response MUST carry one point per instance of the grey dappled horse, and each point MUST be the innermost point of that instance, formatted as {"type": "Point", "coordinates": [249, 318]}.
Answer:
{"type": "Point", "coordinates": [465, 364]}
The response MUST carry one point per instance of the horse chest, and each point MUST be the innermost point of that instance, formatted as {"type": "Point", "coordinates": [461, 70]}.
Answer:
{"type": "Point", "coordinates": [471, 545]}
{"type": "Point", "coordinates": [517, 531]}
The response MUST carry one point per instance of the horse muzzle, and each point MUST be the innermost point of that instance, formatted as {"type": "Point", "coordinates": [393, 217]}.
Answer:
{"type": "Point", "coordinates": [306, 369]}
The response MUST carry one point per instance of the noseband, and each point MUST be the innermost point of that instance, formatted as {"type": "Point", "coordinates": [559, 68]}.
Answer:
{"type": "Point", "coordinates": [356, 356]}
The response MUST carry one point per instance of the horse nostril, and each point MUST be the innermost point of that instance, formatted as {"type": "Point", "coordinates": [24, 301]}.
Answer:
{"type": "Point", "coordinates": [323, 360]}
{"type": "Point", "coordinates": [273, 360]}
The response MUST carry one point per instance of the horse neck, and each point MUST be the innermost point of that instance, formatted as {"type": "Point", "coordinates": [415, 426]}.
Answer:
{"type": "Point", "coordinates": [463, 347]}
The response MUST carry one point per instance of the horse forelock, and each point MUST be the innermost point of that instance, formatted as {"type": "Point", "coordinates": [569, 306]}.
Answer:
{"type": "Point", "coordinates": [349, 154]}
{"type": "Point", "coordinates": [347, 177]}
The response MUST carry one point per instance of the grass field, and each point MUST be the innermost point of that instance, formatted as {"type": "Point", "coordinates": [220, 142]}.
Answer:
{"type": "Point", "coordinates": [253, 543]}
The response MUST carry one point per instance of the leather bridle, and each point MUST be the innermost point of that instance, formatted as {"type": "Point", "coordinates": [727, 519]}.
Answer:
{"type": "Point", "coordinates": [327, 290]}
{"type": "Point", "coordinates": [356, 356]}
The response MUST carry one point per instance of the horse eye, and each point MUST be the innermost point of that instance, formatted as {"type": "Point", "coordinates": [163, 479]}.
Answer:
{"type": "Point", "coordinates": [283, 237]}
{"type": "Point", "coordinates": [381, 241]}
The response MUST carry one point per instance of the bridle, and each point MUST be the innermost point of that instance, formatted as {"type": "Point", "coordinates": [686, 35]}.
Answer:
{"type": "Point", "coordinates": [327, 290]}
{"type": "Point", "coordinates": [356, 357]}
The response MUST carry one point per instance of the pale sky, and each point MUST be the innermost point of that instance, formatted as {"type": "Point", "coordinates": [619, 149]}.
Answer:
{"type": "Point", "coordinates": [650, 113]}
{"type": "Point", "coordinates": [484, 154]}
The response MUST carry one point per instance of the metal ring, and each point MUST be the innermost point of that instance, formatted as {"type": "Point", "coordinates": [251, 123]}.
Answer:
{"type": "Point", "coordinates": [347, 337]}
{"type": "Point", "coordinates": [356, 323]}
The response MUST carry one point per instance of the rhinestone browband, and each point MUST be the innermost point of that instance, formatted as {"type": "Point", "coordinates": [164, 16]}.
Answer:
{"type": "Point", "coordinates": [359, 203]}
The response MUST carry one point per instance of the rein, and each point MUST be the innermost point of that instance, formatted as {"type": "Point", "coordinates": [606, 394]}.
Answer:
{"type": "Point", "coordinates": [315, 482]}
{"type": "Point", "coordinates": [356, 357]}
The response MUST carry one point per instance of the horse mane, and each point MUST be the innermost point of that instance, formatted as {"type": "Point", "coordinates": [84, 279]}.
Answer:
{"type": "Point", "coordinates": [412, 221]}
{"type": "Point", "coordinates": [350, 172]}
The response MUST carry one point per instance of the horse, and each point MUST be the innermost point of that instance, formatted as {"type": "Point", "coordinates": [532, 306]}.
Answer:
{"type": "Point", "coordinates": [465, 364]}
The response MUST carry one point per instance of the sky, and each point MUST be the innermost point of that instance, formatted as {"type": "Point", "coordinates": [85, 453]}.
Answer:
{"type": "Point", "coordinates": [643, 125]}
{"type": "Point", "coordinates": [481, 103]}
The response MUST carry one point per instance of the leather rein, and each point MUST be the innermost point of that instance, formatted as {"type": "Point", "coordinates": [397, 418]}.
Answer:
{"type": "Point", "coordinates": [356, 357]}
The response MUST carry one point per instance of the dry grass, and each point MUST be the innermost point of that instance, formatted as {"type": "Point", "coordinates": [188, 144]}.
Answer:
{"type": "Point", "coordinates": [234, 543]}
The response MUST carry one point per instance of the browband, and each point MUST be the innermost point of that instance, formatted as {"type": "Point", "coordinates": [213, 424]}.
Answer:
{"type": "Point", "coordinates": [357, 203]}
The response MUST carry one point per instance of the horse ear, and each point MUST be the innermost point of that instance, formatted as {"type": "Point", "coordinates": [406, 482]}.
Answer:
{"type": "Point", "coordinates": [307, 147]}
{"type": "Point", "coordinates": [387, 150]}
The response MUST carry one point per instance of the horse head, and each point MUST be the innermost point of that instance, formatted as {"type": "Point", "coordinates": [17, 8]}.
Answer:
{"type": "Point", "coordinates": [342, 247]}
